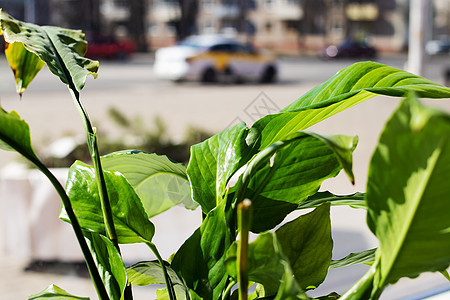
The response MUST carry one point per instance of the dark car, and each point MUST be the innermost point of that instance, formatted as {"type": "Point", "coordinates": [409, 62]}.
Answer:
{"type": "Point", "coordinates": [109, 48]}
{"type": "Point", "coordinates": [349, 49]}
{"type": "Point", "coordinates": [438, 47]}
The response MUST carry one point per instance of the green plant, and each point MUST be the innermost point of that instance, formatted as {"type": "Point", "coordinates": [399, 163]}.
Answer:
{"type": "Point", "coordinates": [248, 180]}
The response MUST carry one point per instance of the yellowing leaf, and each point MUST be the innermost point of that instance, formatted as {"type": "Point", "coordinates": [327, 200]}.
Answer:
{"type": "Point", "coordinates": [24, 64]}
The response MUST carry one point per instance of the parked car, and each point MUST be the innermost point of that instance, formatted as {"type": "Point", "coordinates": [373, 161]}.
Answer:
{"type": "Point", "coordinates": [109, 48]}
{"type": "Point", "coordinates": [349, 49]}
{"type": "Point", "coordinates": [211, 58]}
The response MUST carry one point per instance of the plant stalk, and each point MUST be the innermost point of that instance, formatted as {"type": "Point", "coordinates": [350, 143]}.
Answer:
{"type": "Point", "coordinates": [92, 267]}
{"type": "Point", "coordinates": [362, 289]}
{"type": "Point", "coordinates": [227, 291]}
{"type": "Point", "coordinates": [103, 193]}
{"type": "Point", "coordinates": [244, 222]}
{"type": "Point", "coordinates": [93, 149]}
{"type": "Point", "coordinates": [101, 184]}
{"type": "Point", "coordinates": [169, 284]}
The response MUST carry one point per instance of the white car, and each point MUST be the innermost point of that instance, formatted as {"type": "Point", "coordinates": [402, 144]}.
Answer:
{"type": "Point", "coordinates": [211, 58]}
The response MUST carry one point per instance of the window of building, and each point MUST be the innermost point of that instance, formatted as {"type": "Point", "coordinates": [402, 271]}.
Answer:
{"type": "Point", "coordinates": [293, 2]}
{"type": "Point", "coordinates": [268, 26]}
{"type": "Point", "coordinates": [292, 25]}
{"type": "Point", "coordinates": [207, 5]}
{"type": "Point", "coordinates": [208, 26]}
{"type": "Point", "coordinates": [153, 29]}
{"type": "Point", "coordinates": [170, 29]}
{"type": "Point", "coordinates": [268, 3]}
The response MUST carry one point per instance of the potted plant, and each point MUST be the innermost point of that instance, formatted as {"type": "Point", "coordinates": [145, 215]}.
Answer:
{"type": "Point", "coordinates": [248, 179]}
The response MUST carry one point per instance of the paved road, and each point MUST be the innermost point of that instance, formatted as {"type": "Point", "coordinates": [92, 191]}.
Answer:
{"type": "Point", "coordinates": [132, 88]}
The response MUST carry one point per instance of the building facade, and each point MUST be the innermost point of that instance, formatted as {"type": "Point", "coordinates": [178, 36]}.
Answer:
{"type": "Point", "coordinates": [285, 26]}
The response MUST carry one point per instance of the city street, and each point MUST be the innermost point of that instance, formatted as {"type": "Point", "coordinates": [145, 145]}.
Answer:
{"type": "Point", "coordinates": [132, 88]}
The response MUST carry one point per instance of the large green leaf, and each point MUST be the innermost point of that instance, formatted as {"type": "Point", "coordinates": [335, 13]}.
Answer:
{"type": "Point", "coordinates": [268, 266]}
{"type": "Point", "coordinates": [159, 182]}
{"type": "Point", "coordinates": [363, 257]}
{"type": "Point", "coordinates": [200, 260]}
{"type": "Point", "coordinates": [15, 134]}
{"type": "Point", "coordinates": [213, 162]}
{"type": "Point", "coordinates": [356, 200]}
{"type": "Point", "coordinates": [264, 262]}
{"type": "Point", "coordinates": [408, 193]}
{"type": "Point", "coordinates": [308, 245]}
{"type": "Point", "coordinates": [24, 64]}
{"type": "Point", "coordinates": [289, 288]}
{"type": "Point", "coordinates": [294, 172]}
{"type": "Point", "coordinates": [150, 272]}
{"type": "Point", "coordinates": [297, 168]}
{"type": "Point", "coordinates": [61, 49]}
{"type": "Point", "coordinates": [55, 293]}
{"type": "Point", "coordinates": [350, 86]}
{"type": "Point", "coordinates": [109, 263]}
{"type": "Point", "coordinates": [130, 220]}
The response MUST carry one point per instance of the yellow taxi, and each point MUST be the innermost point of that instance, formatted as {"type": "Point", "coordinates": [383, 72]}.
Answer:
{"type": "Point", "coordinates": [211, 58]}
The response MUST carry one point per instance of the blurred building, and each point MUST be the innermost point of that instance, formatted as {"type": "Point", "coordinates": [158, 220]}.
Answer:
{"type": "Point", "coordinates": [293, 26]}
{"type": "Point", "coordinates": [288, 26]}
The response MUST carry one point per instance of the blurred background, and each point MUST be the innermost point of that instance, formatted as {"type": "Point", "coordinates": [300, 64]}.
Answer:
{"type": "Point", "coordinates": [132, 107]}
{"type": "Point", "coordinates": [284, 26]}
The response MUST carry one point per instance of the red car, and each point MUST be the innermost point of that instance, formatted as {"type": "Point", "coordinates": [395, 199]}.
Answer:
{"type": "Point", "coordinates": [109, 48]}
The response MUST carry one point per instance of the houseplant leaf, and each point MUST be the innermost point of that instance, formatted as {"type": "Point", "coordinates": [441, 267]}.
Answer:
{"type": "Point", "coordinates": [289, 288]}
{"type": "Point", "coordinates": [131, 222]}
{"type": "Point", "coordinates": [356, 200]}
{"type": "Point", "coordinates": [150, 272]}
{"type": "Point", "coordinates": [55, 293]}
{"type": "Point", "coordinates": [264, 262]}
{"type": "Point", "coordinates": [213, 162]}
{"type": "Point", "coordinates": [297, 168]}
{"type": "Point", "coordinates": [109, 263]}
{"type": "Point", "coordinates": [408, 206]}
{"type": "Point", "coordinates": [268, 266]}
{"type": "Point", "coordinates": [15, 134]}
{"type": "Point", "coordinates": [363, 257]}
{"type": "Point", "coordinates": [61, 49]}
{"type": "Point", "coordinates": [24, 64]}
{"type": "Point", "coordinates": [350, 86]}
{"type": "Point", "coordinates": [308, 246]}
{"type": "Point", "coordinates": [159, 182]}
{"type": "Point", "coordinates": [200, 260]}
{"type": "Point", "coordinates": [294, 172]}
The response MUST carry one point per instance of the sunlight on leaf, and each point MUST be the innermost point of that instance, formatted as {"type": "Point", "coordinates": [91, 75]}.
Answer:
{"type": "Point", "coordinates": [307, 243]}
{"type": "Point", "coordinates": [409, 207]}
{"type": "Point", "coordinates": [159, 182]}
{"type": "Point", "coordinates": [61, 49]}
{"type": "Point", "coordinates": [109, 263]}
{"type": "Point", "coordinates": [54, 292]}
{"type": "Point", "coordinates": [131, 222]}
{"type": "Point", "coordinates": [24, 64]}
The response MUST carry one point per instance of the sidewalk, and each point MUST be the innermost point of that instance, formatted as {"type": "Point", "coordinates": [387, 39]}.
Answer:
{"type": "Point", "coordinates": [17, 283]}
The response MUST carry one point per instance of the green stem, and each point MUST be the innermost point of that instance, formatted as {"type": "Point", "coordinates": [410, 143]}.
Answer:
{"type": "Point", "coordinates": [92, 267]}
{"type": "Point", "coordinates": [101, 184]}
{"type": "Point", "coordinates": [362, 289]}
{"type": "Point", "coordinates": [244, 222]}
{"type": "Point", "coordinates": [93, 149]}
{"type": "Point", "coordinates": [227, 291]}
{"type": "Point", "coordinates": [103, 193]}
{"type": "Point", "coordinates": [169, 284]}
